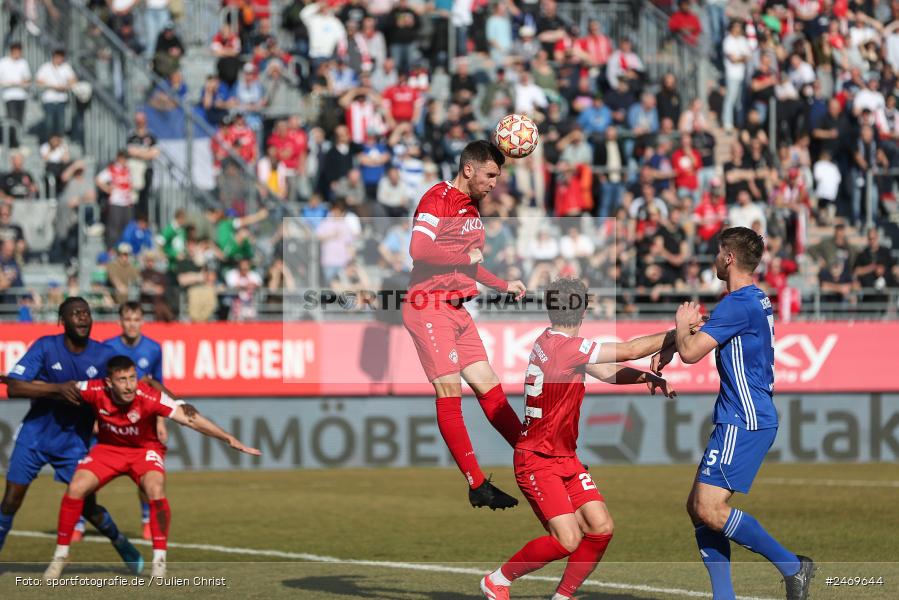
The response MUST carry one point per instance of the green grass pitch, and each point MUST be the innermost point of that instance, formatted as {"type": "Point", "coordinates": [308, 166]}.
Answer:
{"type": "Point", "coordinates": [411, 535]}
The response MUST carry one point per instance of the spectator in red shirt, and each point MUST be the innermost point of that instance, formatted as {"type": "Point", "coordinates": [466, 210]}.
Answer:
{"type": "Point", "coordinates": [687, 162]}
{"type": "Point", "coordinates": [244, 140]}
{"type": "Point", "coordinates": [595, 48]}
{"type": "Point", "coordinates": [292, 143]}
{"type": "Point", "coordinates": [686, 23]}
{"type": "Point", "coordinates": [235, 135]}
{"type": "Point", "coordinates": [710, 215]}
{"type": "Point", "coordinates": [402, 103]}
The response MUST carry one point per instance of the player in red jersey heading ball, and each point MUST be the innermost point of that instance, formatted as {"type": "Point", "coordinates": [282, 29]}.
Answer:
{"type": "Point", "coordinates": [127, 444]}
{"type": "Point", "coordinates": [447, 237]}
{"type": "Point", "coordinates": [550, 475]}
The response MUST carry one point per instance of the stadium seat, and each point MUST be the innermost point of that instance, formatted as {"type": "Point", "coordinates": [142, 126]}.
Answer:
{"type": "Point", "coordinates": [37, 218]}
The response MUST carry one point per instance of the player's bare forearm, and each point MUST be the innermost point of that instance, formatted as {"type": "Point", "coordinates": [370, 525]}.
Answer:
{"type": "Point", "coordinates": [635, 349]}
{"type": "Point", "coordinates": [620, 375]}
{"type": "Point", "coordinates": [616, 374]}
{"type": "Point", "coordinates": [189, 416]}
{"type": "Point", "coordinates": [67, 392]}
{"type": "Point", "coordinates": [692, 345]}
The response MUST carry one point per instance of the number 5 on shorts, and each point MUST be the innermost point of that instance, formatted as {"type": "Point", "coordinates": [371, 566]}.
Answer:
{"type": "Point", "coordinates": [587, 481]}
{"type": "Point", "coordinates": [713, 458]}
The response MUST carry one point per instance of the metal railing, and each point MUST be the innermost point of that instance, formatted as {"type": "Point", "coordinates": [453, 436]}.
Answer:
{"type": "Point", "coordinates": [660, 50]}
{"type": "Point", "coordinates": [106, 121]}
{"type": "Point", "coordinates": [131, 81]}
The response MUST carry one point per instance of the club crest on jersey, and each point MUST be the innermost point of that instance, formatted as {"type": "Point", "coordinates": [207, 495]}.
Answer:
{"type": "Point", "coordinates": [92, 371]}
{"type": "Point", "coordinates": [133, 416]}
{"type": "Point", "coordinates": [454, 356]}
{"type": "Point", "coordinates": [472, 224]}
{"type": "Point", "coordinates": [143, 363]}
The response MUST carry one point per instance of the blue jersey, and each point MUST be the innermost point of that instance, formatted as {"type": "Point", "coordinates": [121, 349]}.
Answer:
{"type": "Point", "coordinates": [743, 326]}
{"type": "Point", "coordinates": [147, 355]}
{"type": "Point", "coordinates": [52, 425]}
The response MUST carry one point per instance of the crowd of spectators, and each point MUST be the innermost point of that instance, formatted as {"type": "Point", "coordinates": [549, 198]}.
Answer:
{"type": "Point", "coordinates": [347, 110]}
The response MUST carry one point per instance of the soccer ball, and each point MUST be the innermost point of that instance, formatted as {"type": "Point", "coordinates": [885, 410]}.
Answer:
{"type": "Point", "coordinates": [516, 136]}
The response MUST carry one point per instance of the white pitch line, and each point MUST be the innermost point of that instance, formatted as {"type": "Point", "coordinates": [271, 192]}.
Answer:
{"type": "Point", "coordinates": [388, 565]}
{"type": "Point", "coordinates": [831, 482]}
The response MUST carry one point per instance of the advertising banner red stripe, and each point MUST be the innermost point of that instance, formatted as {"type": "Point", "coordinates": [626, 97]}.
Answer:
{"type": "Point", "coordinates": [353, 358]}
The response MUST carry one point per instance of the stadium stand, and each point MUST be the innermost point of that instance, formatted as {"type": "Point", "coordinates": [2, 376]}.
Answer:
{"type": "Point", "coordinates": [674, 119]}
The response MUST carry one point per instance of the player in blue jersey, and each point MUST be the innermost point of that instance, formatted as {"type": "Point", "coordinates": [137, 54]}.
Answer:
{"type": "Point", "coordinates": [147, 356]}
{"type": "Point", "coordinates": [741, 332]}
{"type": "Point", "coordinates": [55, 433]}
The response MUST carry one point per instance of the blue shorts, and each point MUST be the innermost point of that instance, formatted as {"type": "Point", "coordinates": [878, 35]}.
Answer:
{"type": "Point", "coordinates": [30, 455]}
{"type": "Point", "coordinates": [734, 456]}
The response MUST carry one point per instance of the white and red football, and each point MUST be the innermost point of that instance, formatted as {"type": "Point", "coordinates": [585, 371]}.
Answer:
{"type": "Point", "coordinates": [516, 136]}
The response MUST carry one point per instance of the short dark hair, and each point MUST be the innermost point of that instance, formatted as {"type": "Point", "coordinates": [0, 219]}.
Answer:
{"type": "Point", "coordinates": [119, 363]}
{"type": "Point", "coordinates": [481, 151]}
{"type": "Point", "coordinates": [566, 302]}
{"type": "Point", "coordinates": [130, 306]}
{"type": "Point", "coordinates": [68, 302]}
{"type": "Point", "coordinates": [746, 245]}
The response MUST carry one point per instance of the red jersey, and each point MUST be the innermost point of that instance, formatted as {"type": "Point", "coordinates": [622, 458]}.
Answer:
{"type": "Point", "coordinates": [134, 425]}
{"type": "Point", "coordinates": [554, 390]}
{"type": "Point", "coordinates": [291, 147]}
{"type": "Point", "coordinates": [686, 165]}
{"type": "Point", "coordinates": [711, 215]}
{"type": "Point", "coordinates": [448, 225]}
{"type": "Point", "coordinates": [402, 100]}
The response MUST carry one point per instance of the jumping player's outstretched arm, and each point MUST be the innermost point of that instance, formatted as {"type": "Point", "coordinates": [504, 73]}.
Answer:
{"type": "Point", "coordinates": [424, 248]}
{"type": "Point", "coordinates": [637, 348]}
{"type": "Point", "coordinates": [187, 415]}
{"type": "Point", "coordinates": [692, 344]}
{"type": "Point", "coordinates": [66, 391]}
{"type": "Point", "coordinates": [620, 375]}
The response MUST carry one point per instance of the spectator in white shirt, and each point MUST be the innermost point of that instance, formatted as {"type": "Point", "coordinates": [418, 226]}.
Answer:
{"type": "Point", "coordinates": [55, 78]}
{"type": "Point", "coordinates": [326, 32]}
{"type": "Point", "coordinates": [827, 183]}
{"type": "Point", "coordinates": [869, 98]}
{"type": "Point", "coordinates": [15, 77]}
{"type": "Point", "coordinates": [245, 282]}
{"type": "Point", "coordinates": [746, 213]}
{"type": "Point", "coordinates": [528, 95]}
{"type": "Point", "coordinates": [575, 244]}
{"type": "Point", "coordinates": [801, 73]}
{"type": "Point", "coordinates": [393, 194]}
{"type": "Point", "coordinates": [736, 53]}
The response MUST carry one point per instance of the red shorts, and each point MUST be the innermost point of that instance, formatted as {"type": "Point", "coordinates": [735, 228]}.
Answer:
{"type": "Point", "coordinates": [445, 337]}
{"type": "Point", "coordinates": [108, 462]}
{"type": "Point", "coordinates": [554, 485]}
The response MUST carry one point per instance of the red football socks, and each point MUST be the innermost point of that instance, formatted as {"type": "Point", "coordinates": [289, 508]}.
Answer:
{"type": "Point", "coordinates": [160, 519]}
{"type": "Point", "coordinates": [582, 562]}
{"type": "Point", "coordinates": [501, 414]}
{"type": "Point", "coordinates": [452, 428]}
{"type": "Point", "coordinates": [69, 513]}
{"type": "Point", "coordinates": [535, 554]}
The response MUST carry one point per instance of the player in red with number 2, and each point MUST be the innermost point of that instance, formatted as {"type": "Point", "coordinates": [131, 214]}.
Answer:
{"type": "Point", "coordinates": [447, 237]}
{"type": "Point", "coordinates": [549, 473]}
{"type": "Point", "coordinates": [127, 444]}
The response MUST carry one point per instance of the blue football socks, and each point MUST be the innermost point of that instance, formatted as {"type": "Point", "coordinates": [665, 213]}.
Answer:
{"type": "Point", "coordinates": [5, 526]}
{"type": "Point", "coordinates": [745, 530]}
{"type": "Point", "coordinates": [714, 548]}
